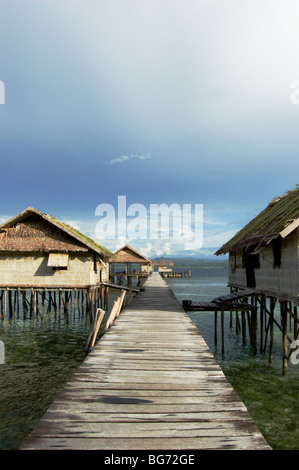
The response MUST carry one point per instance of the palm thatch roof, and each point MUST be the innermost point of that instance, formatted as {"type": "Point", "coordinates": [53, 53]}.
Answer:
{"type": "Point", "coordinates": [127, 254]}
{"type": "Point", "coordinates": [278, 219]}
{"type": "Point", "coordinates": [72, 233]}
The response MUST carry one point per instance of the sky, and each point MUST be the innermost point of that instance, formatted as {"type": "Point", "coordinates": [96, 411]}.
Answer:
{"type": "Point", "coordinates": [175, 102]}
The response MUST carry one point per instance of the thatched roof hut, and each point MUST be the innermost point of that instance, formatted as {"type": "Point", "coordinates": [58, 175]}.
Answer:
{"type": "Point", "coordinates": [264, 254]}
{"type": "Point", "coordinates": [129, 257]}
{"type": "Point", "coordinates": [36, 249]}
{"type": "Point", "coordinates": [163, 262]}
{"type": "Point", "coordinates": [278, 219]}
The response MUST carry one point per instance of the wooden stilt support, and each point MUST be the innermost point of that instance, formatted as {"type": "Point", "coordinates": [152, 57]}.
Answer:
{"type": "Point", "coordinates": [94, 330]}
{"type": "Point", "coordinates": [284, 337]}
{"type": "Point", "coordinates": [262, 313]}
{"type": "Point", "coordinates": [243, 327]}
{"type": "Point", "coordinates": [238, 326]}
{"type": "Point", "coordinates": [254, 329]}
{"type": "Point", "coordinates": [215, 327]}
{"type": "Point", "coordinates": [5, 302]}
{"type": "Point", "coordinates": [24, 304]}
{"type": "Point", "coordinates": [222, 331]}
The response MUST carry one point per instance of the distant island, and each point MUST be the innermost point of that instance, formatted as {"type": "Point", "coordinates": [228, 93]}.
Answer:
{"type": "Point", "coordinates": [188, 263]}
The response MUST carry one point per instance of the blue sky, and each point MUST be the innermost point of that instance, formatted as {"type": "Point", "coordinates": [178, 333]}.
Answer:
{"type": "Point", "coordinates": [163, 101]}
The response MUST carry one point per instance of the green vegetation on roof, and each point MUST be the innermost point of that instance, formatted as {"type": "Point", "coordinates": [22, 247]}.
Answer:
{"type": "Point", "coordinates": [267, 225]}
{"type": "Point", "coordinates": [84, 238]}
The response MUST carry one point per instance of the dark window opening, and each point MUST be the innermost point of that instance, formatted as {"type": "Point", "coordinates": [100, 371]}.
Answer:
{"type": "Point", "coordinates": [95, 265]}
{"type": "Point", "coordinates": [276, 246]}
{"type": "Point", "coordinates": [250, 262]}
{"type": "Point", "coordinates": [233, 261]}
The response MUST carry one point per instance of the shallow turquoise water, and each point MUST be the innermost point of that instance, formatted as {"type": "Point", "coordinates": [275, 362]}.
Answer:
{"type": "Point", "coordinates": [271, 398]}
{"type": "Point", "coordinates": [40, 358]}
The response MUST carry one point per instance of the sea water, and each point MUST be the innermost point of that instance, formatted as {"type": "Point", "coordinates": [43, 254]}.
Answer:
{"type": "Point", "coordinates": [270, 397]}
{"type": "Point", "coordinates": [41, 356]}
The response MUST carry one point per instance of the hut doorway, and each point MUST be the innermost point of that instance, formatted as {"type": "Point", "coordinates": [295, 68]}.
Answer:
{"type": "Point", "coordinates": [251, 261]}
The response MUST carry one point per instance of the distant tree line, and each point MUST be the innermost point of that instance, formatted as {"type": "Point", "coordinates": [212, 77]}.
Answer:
{"type": "Point", "coordinates": [188, 263]}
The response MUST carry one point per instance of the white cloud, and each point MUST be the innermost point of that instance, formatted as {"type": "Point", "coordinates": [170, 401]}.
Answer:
{"type": "Point", "coordinates": [124, 158]}
{"type": "Point", "coordinates": [5, 218]}
{"type": "Point", "coordinates": [73, 223]}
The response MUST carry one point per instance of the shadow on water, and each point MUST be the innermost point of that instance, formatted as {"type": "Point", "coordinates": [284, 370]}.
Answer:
{"type": "Point", "coordinates": [40, 358]}
{"type": "Point", "coordinates": [270, 397]}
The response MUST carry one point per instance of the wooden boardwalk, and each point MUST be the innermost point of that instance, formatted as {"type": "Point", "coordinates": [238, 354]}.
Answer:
{"type": "Point", "coordinates": [150, 383]}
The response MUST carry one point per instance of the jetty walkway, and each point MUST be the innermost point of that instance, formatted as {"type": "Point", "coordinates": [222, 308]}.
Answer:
{"type": "Point", "coordinates": [150, 383]}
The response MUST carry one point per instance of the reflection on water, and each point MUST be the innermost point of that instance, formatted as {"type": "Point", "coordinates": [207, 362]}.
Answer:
{"type": "Point", "coordinates": [272, 399]}
{"type": "Point", "coordinates": [40, 359]}
{"type": "Point", "coordinates": [37, 362]}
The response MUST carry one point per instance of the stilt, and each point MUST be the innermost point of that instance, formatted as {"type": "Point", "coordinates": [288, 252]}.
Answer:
{"type": "Point", "coordinates": [5, 303]}
{"type": "Point", "coordinates": [222, 331]}
{"type": "Point", "coordinates": [10, 303]}
{"type": "Point", "coordinates": [243, 327]}
{"type": "Point", "coordinates": [43, 304]}
{"type": "Point", "coordinates": [262, 313]}
{"type": "Point", "coordinates": [215, 327]}
{"type": "Point", "coordinates": [25, 308]}
{"type": "Point", "coordinates": [238, 326]}
{"type": "Point", "coordinates": [284, 337]}
{"type": "Point", "coordinates": [254, 328]}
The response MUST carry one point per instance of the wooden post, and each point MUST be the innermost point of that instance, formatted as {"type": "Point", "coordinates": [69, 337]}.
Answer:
{"type": "Point", "coordinates": [15, 305]}
{"type": "Point", "coordinates": [238, 327]}
{"type": "Point", "coordinates": [95, 328]}
{"type": "Point", "coordinates": [66, 301]}
{"type": "Point", "coordinates": [24, 304]}
{"type": "Point", "coordinates": [114, 312]}
{"type": "Point", "coordinates": [254, 328]}
{"type": "Point", "coordinates": [243, 327]}
{"type": "Point", "coordinates": [60, 301]}
{"type": "Point", "coordinates": [43, 304]}
{"type": "Point", "coordinates": [129, 296]}
{"type": "Point", "coordinates": [5, 302]}
{"type": "Point", "coordinates": [262, 312]}
{"type": "Point", "coordinates": [49, 303]}
{"type": "Point", "coordinates": [121, 302]}
{"type": "Point", "coordinates": [34, 305]}
{"type": "Point", "coordinates": [215, 327]}
{"type": "Point", "coordinates": [10, 303]}
{"type": "Point", "coordinates": [1, 300]}
{"type": "Point", "coordinates": [284, 337]}
{"type": "Point", "coordinates": [18, 302]}
{"type": "Point", "coordinates": [222, 330]}
{"type": "Point", "coordinates": [31, 302]}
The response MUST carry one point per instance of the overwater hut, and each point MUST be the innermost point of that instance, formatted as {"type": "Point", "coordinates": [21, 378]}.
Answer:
{"type": "Point", "coordinates": [264, 258]}
{"type": "Point", "coordinates": [40, 253]}
{"type": "Point", "coordinates": [127, 263]}
{"type": "Point", "coordinates": [264, 255]}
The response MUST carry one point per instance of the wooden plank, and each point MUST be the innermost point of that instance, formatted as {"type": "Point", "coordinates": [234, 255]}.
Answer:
{"type": "Point", "coordinates": [225, 442]}
{"type": "Point", "coordinates": [150, 383]}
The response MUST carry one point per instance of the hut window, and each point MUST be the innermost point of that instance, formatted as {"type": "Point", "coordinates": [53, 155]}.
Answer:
{"type": "Point", "coordinates": [276, 246]}
{"type": "Point", "coordinates": [251, 259]}
{"type": "Point", "coordinates": [95, 267]}
{"type": "Point", "coordinates": [58, 260]}
{"type": "Point", "coordinates": [233, 260]}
